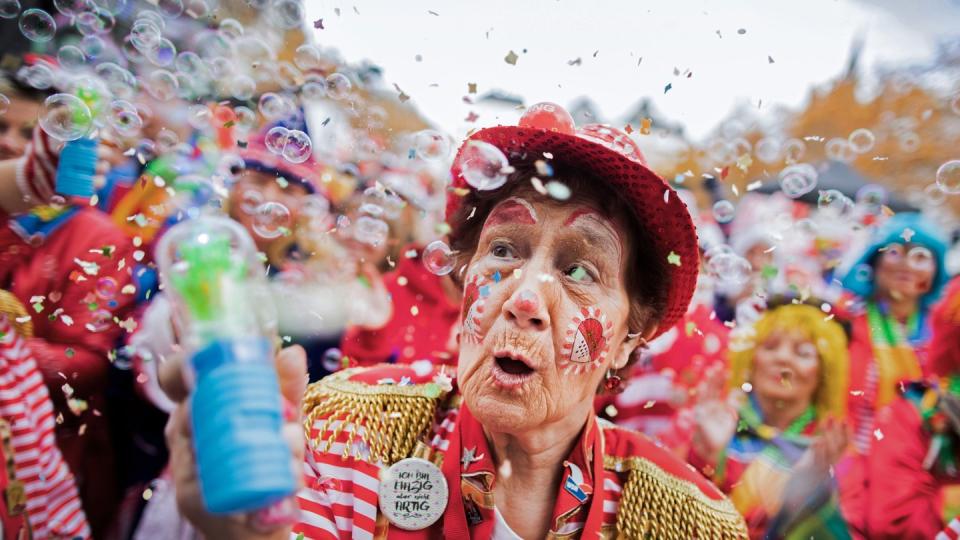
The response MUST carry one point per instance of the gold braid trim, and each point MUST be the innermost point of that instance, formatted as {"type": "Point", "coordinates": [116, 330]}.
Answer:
{"type": "Point", "coordinates": [13, 309]}
{"type": "Point", "coordinates": [655, 504]}
{"type": "Point", "coordinates": [394, 418]}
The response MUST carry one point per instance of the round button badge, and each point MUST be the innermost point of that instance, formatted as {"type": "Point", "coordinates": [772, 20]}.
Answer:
{"type": "Point", "coordinates": [413, 494]}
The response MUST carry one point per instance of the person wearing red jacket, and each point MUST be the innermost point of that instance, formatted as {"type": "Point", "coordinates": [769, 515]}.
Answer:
{"type": "Point", "coordinates": [420, 323]}
{"type": "Point", "coordinates": [914, 489]}
{"type": "Point", "coordinates": [72, 266]}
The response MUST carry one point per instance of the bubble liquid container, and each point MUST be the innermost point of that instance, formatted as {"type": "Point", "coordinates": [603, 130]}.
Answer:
{"type": "Point", "coordinates": [78, 163]}
{"type": "Point", "coordinates": [226, 322]}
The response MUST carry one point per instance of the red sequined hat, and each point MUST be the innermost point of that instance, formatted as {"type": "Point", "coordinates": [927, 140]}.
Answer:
{"type": "Point", "coordinates": [614, 157]}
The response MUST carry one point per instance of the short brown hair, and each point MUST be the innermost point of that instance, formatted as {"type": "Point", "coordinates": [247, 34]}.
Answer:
{"type": "Point", "coordinates": [646, 277]}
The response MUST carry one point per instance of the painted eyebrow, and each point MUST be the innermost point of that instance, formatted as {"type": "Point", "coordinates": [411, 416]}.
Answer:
{"type": "Point", "coordinates": [512, 210]}
{"type": "Point", "coordinates": [592, 215]}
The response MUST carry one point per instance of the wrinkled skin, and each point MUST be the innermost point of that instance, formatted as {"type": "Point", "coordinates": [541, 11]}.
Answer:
{"type": "Point", "coordinates": [551, 267]}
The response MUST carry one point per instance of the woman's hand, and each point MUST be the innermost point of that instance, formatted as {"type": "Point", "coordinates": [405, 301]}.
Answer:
{"type": "Point", "coordinates": [374, 309]}
{"type": "Point", "coordinates": [292, 375]}
{"type": "Point", "coordinates": [715, 417]}
{"type": "Point", "coordinates": [827, 448]}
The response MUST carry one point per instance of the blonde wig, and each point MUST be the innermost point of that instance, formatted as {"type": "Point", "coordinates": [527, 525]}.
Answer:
{"type": "Point", "coordinates": [830, 397]}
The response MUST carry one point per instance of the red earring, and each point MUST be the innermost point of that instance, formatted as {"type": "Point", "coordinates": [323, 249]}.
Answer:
{"type": "Point", "coordinates": [613, 383]}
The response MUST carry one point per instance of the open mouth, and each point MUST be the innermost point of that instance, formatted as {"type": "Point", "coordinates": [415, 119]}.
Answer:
{"type": "Point", "coordinates": [511, 370]}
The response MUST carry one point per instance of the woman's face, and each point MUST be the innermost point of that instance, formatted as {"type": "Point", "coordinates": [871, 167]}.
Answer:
{"type": "Point", "coordinates": [544, 313]}
{"type": "Point", "coordinates": [253, 189]}
{"type": "Point", "coordinates": [904, 271]}
{"type": "Point", "coordinates": [786, 366]}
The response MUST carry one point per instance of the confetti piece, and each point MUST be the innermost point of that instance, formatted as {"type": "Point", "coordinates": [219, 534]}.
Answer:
{"type": "Point", "coordinates": [575, 62]}
{"type": "Point", "coordinates": [403, 97]}
{"type": "Point", "coordinates": [649, 404]}
{"type": "Point", "coordinates": [645, 126]}
{"type": "Point", "coordinates": [878, 434]}
{"type": "Point", "coordinates": [318, 24]}
{"type": "Point", "coordinates": [497, 277]}
{"type": "Point", "coordinates": [673, 258]}
{"type": "Point", "coordinates": [611, 411]}
{"type": "Point", "coordinates": [744, 162]}
{"type": "Point", "coordinates": [517, 272]}
{"type": "Point", "coordinates": [754, 185]}
{"type": "Point", "coordinates": [907, 234]}
{"type": "Point", "coordinates": [742, 31]}
{"type": "Point", "coordinates": [511, 58]}
{"type": "Point", "coordinates": [667, 87]}
{"type": "Point", "coordinates": [414, 310]}
{"type": "Point", "coordinates": [472, 88]}
{"type": "Point", "coordinates": [434, 13]}
{"type": "Point", "coordinates": [472, 117]}
{"type": "Point", "coordinates": [769, 59]}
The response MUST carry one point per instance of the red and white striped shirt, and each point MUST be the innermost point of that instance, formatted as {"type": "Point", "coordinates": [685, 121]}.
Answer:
{"type": "Point", "coordinates": [53, 506]}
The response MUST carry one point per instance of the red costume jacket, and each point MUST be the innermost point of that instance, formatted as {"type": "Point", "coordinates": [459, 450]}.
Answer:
{"type": "Point", "coordinates": [80, 263]}
{"type": "Point", "coordinates": [409, 335]}
{"type": "Point", "coordinates": [909, 495]}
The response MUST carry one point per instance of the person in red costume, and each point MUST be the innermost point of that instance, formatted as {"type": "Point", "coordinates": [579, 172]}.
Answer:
{"type": "Point", "coordinates": [557, 296]}
{"type": "Point", "coordinates": [914, 489]}
{"type": "Point", "coordinates": [72, 266]}
{"type": "Point", "coordinates": [419, 321]}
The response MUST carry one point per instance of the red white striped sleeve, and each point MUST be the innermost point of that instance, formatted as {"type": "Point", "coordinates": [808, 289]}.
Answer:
{"type": "Point", "coordinates": [37, 169]}
{"type": "Point", "coordinates": [951, 531]}
{"type": "Point", "coordinates": [53, 505]}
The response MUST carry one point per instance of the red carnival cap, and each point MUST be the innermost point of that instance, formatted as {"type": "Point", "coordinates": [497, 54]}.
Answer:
{"type": "Point", "coordinates": [615, 158]}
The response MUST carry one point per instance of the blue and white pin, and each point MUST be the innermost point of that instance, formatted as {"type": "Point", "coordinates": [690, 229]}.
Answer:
{"type": "Point", "coordinates": [575, 484]}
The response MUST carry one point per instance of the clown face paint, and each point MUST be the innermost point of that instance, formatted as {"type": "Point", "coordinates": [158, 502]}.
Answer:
{"type": "Point", "coordinates": [586, 342]}
{"type": "Point", "coordinates": [512, 210]}
{"type": "Point", "coordinates": [472, 309]}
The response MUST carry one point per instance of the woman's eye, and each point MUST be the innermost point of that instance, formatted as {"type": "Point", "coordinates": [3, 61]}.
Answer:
{"type": "Point", "coordinates": [501, 251]}
{"type": "Point", "coordinates": [579, 273]}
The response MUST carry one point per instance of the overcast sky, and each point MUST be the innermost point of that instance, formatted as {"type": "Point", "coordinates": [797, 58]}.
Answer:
{"type": "Point", "coordinates": [466, 42]}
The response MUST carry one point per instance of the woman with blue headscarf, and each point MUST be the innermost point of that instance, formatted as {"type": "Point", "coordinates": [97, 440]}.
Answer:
{"type": "Point", "coordinates": [898, 277]}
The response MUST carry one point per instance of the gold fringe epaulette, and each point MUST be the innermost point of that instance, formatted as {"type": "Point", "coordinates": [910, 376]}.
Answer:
{"type": "Point", "coordinates": [13, 309]}
{"type": "Point", "coordinates": [655, 504]}
{"type": "Point", "coordinates": [389, 419]}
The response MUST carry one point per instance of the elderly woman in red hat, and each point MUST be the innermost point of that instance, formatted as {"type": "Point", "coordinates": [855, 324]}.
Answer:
{"type": "Point", "coordinates": [571, 253]}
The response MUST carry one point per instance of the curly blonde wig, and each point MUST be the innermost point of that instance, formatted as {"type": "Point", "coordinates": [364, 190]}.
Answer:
{"type": "Point", "coordinates": [830, 398]}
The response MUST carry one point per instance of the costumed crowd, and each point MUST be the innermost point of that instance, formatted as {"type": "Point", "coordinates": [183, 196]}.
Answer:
{"type": "Point", "coordinates": [247, 294]}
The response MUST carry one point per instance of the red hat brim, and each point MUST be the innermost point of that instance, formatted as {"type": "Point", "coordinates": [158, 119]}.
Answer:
{"type": "Point", "coordinates": [657, 207]}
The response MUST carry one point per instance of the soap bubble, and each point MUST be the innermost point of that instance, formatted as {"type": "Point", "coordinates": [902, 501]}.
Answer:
{"type": "Point", "coordinates": [95, 21]}
{"type": "Point", "coordinates": [862, 140]}
{"type": "Point", "coordinates": [276, 106]}
{"type": "Point", "coordinates": [431, 144]}
{"type": "Point", "coordinates": [246, 119]}
{"type": "Point", "coordinates": [289, 76]}
{"type": "Point", "coordinates": [124, 118]}
{"type": "Point", "coordinates": [38, 76]}
{"type": "Point", "coordinates": [794, 150]}
{"type": "Point", "coordinates": [250, 201]}
{"type": "Point", "coordinates": [286, 14]}
{"type": "Point", "coordinates": [106, 288]}
{"type": "Point", "coordinates": [338, 86]}
{"type": "Point", "coordinates": [483, 165]}
{"type": "Point", "coordinates": [933, 195]}
{"type": "Point", "coordinates": [199, 117]}
{"type": "Point", "coordinates": [767, 150]}
{"type": "Point", "coordinates": [839, 149]}
{"type": "Point", "coordinates": [307, 57]}
{"type": "Point", "coordinates": [71, 8]}
{"type": "Point", "coordinates": [872, 197]}
{"type": "Point", "coordinates": [438, 258]}
{"type": "Point", "coordinates": [798, 179]}
{"type": "Point", "coordinates": [167, 140]}
{"type": "Point", "coordinates": [118, 80]}
{"type": "Point", "coordinates": [909, 142]}
{"type": "Point", "coordinates": [9, 9]}
{"type": "Point", "coordinates": [71, 58]}
{"type": "Point", "coordinates": [65, 117]}
{"type": "Point", "coordinates": [371, 231]}
{"type": "Point", "coordinates": [948, 177]}
{"type": "Point", "coordinates": [230, 29]}
{"type": "Point", "coordinates": [730, 268]}
{"type": "Point", "coordinates": [297, 147]}
{"type": "Point", "coordinates": [314, 88]}
{"type": "Point", "coordinates": [170, 8]}
{"type": "Point", "coordinates": [37, 25]}
{"type": "Point", "coordinates": [863, 273]}
{"type": "Point", "coordinates": [371, 210]}
{"type": "Point", "coordinates": [163, 54]}
{"type": "Point", "coordinates": [723, 211]}
{"type": "Point", "coordinates": [276, 139]}
{"type": "Point", "coordinates": [92, 46]}
{"type": "Point", "coordinates": [152, 16]}
{"type": "Point", "coordinates": [101, 320]}
{"type": "Point", "coordinates": [834, 203]}
{"type": "Point", "coordinates": [271, 220]}
{"type": "Point", "coordinates": [162, 85]}
{"type": "Point", "coordinates": [145, 35]}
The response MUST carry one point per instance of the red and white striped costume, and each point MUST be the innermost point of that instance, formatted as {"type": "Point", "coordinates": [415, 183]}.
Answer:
{"type": "Point", "coordinates": [53, 506]}
{"type": "Point", "coordinates": [340, 498]}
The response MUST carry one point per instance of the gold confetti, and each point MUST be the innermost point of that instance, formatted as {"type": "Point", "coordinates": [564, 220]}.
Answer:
{"type": "Point", "coordinates": [511, 58]}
